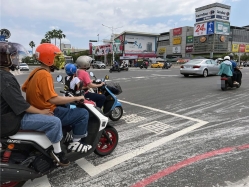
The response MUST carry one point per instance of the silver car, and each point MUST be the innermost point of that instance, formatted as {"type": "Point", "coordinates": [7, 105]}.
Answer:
{"type": "Point", "coordinates": [23, 67]}
{"type": "Point", "coordinates": [202, 67]}
{"type": "Point", "coordinates": [98, 64]}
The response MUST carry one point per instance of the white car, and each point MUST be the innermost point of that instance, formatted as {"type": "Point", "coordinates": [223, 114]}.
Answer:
{"type": "Point", "coordinates": [23, 67]}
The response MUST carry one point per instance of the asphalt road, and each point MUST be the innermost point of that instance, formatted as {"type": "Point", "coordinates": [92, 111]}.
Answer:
{"type": "Point", "coordinates": [175, 132]}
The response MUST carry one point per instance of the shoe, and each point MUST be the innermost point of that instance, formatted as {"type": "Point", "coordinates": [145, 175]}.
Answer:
{"type": "Point", "coordinates": [235, 82]}
{"type": "Point", "coordinates": [68, 138]}
{"type": "Point", "coordinates": [60, 158]}
{"type": "Point", "coordinates": [78, 147]}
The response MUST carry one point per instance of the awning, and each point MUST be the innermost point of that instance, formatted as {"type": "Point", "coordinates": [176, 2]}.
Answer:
{"type": "Point", "coordinates": [142, 55]}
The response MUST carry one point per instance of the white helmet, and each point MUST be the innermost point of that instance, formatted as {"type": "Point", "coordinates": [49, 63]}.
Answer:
{"type": "Point", "coordinates": [227, 58]}
{"type": "Point", "coordinates": [84, 62]}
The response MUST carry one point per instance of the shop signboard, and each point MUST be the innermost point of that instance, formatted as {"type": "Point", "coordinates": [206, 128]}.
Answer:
{"type": "Point", "coordinates": [139, 44]}
{"type": "Point", "coordinates": [222, 28]}
{"type": "Point", "coordinates": [242, 48]}
{"type": "Point", "coordinates": [235, 48]}
{"type": "Point", "coordinates": [210, 27]}
{"type": "Point", "coordinates": [247, 48]}
{"type": "Point", "coordinates": [214, 13]}
{"type": "Point", "coordinates": [176, 49]}
{"type": "Point", "coordinates": [177, 40]}
{"type": "Point", "coordinates": [177, 31]}
{"type": "Point", "coordinates": [189, 49]}
{"type": "Point", "coordinates": [189, 39]}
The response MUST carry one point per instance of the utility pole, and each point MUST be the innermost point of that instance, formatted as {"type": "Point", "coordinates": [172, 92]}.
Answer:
{"type": "Point", "coordinates": [112, 40]}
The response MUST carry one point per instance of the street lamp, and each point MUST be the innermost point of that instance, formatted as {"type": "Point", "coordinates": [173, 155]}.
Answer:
{"type": "Point", "coordinates": [112, 40]}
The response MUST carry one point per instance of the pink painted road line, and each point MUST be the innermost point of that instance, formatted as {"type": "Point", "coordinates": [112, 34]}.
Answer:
{"type": "Point", "coordinates": [185, 163]}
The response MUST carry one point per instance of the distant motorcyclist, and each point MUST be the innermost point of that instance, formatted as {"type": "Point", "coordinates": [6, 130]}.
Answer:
{"type": "Point", "coordinates": [236, 75]}
{"type": "Point", "coordinates": [226, 67]}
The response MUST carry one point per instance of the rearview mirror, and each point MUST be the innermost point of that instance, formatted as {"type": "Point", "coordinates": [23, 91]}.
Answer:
{"type": "Point", "coordinates": [59, 78]}
{"type": "Point", "coordinates": [107, 77]}
{"type": "Point", "coordinates": [91, 73]}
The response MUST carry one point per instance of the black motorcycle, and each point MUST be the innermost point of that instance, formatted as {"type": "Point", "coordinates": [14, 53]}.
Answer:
{"type": "Point", "coordinates": [114, 68]}
{"type": "Point", "coordinates": [227, 82]}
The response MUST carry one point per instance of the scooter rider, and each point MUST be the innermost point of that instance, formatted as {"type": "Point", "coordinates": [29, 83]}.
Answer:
{"type": "Point", "coordinates": [15, 109]}
{"type": "Point", "coordinates": [83, 63]}
{"type": "Point", "coordinates": [40, 93]}
{"type": "Point", "coordinates": [236, 75]}
{"type": "Point", "coordinates": [226, 67]}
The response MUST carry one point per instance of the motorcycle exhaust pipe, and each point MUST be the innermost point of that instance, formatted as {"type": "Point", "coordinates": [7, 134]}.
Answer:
{"type": "Point", "coordinates": [14, 172]}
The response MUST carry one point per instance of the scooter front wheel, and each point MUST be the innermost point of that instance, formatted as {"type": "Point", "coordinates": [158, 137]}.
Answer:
{"type": "Point", "coordinates": [107, 142]}
{"type": "Point", "coordinates": [116, 114]}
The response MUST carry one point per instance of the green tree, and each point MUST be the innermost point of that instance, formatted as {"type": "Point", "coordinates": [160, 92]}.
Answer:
{"type": "Point", "coordinates": [49, 36]}
{"type": "Point", "coordinates": [32, 45]}
{"type": "Point", "coordinates": [44, 40]}
{"type": "Point", "coordinates": [60, 36]}
{"type": "Point", "coordinates": [54, 35]}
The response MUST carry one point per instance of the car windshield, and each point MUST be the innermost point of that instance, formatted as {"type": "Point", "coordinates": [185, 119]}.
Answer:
{"type": "Point", "coordinates": [23, 64]}
{"type": "Point", "coordinates": [194, 61]}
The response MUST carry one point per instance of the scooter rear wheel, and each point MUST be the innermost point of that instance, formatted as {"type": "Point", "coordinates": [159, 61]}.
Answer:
{"type": "Point", "coordinates": [104, 147]}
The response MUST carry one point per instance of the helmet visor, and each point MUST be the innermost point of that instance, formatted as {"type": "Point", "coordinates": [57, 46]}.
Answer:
{"type": "Point", "coordinates": [59, 61]}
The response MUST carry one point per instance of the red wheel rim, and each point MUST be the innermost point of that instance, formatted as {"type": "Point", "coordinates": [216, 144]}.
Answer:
{"type": "Point", "coordinates": [104, 146]}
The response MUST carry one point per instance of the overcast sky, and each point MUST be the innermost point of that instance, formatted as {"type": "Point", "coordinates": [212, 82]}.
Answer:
{"type": "Point", "coordinates": [81, 20]}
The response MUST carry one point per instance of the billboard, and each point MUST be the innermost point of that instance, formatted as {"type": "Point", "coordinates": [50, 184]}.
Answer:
{"type": "Point", "coordinates": [222, 28]}
{"type": "Point", "coordinates": [177, 40]}
{"type": "Point", "coordinates": [177, 31]}
{"type": "Point", "coordinates": [176, 49]}
{"type": "Point", "coordinates": [139, 44]}
{"type": "Point", "coordinates": [102, 49]}
{"type": "Point", "coordinates": [200, 29]}
{"type": "Point", "coordinates": [215, 13]}
{"type": "Point", "coordinates": [235, 48]}
{"type": "Point", "coordinates": [189, 39]}
{"type": "Point", "coordinates": [247, 48]}
{"type": "Point", "coordinates": [161, 50]}
{"type": "Point", "coordinates": [242, 48]}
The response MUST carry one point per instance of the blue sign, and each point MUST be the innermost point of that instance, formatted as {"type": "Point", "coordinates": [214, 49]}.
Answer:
{"type": "Point", "coordinates": [210, 27]}
{"type": "Point", "coordinates": [2, 38]}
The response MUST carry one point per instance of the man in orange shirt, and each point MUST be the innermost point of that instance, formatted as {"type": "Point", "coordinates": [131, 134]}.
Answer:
{"type": "Point", "coordinates": [40, 93]}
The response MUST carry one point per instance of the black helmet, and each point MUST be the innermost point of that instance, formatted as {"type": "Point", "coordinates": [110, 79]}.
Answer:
{"type": "Point", "coordinates": [231, 56]}
{"type": "Point", "coordinates": [11, 54]}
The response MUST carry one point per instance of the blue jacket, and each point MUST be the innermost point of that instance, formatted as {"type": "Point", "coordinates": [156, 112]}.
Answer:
{"type": "Point", "coordinates": [226, 68]}
{"type": "Point", "coordinates": [234, 65]}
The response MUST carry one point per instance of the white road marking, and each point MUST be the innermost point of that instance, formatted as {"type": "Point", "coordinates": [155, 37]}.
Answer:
{"type": "Point", "coordinates": [39, 182]}
{"type": "Point", "coordinates": [95, 170]}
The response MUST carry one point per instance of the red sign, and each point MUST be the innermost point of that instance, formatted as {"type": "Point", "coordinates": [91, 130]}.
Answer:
{"type": "Point", "coordinates": [189, 49]}
{"type": "Point", "coordinates": [177, 31]}
{"type": "Point", "coordinates": [90, 48]}
{"type": "Point", "coordinates": [242, 48]}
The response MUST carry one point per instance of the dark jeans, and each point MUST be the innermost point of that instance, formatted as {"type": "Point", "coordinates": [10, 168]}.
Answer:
{"type": "Point", "coordinates": [99, 99]}
{"type": "Point", "coordinates": [235, 76]}
{"type": "Point", "coordinates": [77, 118]}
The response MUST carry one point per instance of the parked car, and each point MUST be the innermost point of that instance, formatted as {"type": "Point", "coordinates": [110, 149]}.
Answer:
{"type": "Point", "coordinates": [246, 64]}
{"type": "Point", "coordinates": [98, 64]}
{"type": "Point", "coordinates": [24, 67]}
{"type": "Point", "coordinates": [202, 67]}
{"type": "Point", "coordinates": [157, 64]}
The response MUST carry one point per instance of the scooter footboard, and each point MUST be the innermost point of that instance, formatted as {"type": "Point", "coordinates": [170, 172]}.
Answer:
{"type": "Point", "coordinates": [14, 172]}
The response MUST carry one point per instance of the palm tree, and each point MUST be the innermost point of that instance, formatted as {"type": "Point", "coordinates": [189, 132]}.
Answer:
{"type": "Point", "coordinates": [32, 45]}
{"type": "Point", "coordinates": [55, 35]}
{"type": "Point", "coordinates": [60, 36]}
{"type": "Point", "coordinates": [49, 36]}
{"type": "Point", "coordinates": [44, 40]}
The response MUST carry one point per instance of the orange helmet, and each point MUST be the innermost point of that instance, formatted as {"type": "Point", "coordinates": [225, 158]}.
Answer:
{"type": "Point", "coordinates": [50, 55]}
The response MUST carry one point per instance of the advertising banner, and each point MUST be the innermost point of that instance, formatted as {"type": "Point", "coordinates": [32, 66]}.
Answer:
{"type": "Point", "coordinates": [176, 49]}
{"type": "Point", "coordinates": [200, 29]}
{"type": "Point", "coordinates": [189, 39]}
{"type": "Point", "coordinates": [164, 37]}
{"type": "Point", "coordinates": [177, 40]}
{"type": "Point", "coordinates": [215, 13]}
{"type": "Point", "coordinates": [189, 49]}
{"type": "Point", "coordinates": [242, 48]}
{"type": "Point", "coordinates": [235, 48]}
{"type": "Point", "coordinates": [161, 50]}
{"type": "Point", "coordinates": [210, 27]}
{"type": "Point", "coordinates": [177, 31]}
{"type": "Point", "coordinates": [222, 28]}
{"type": "Point", "coordinates": [139, 44]}
{"type": "Point", "coordinates": [247, 48]}
{"type": "Point", "coordinates": [102, 49]}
